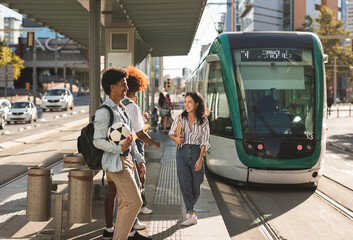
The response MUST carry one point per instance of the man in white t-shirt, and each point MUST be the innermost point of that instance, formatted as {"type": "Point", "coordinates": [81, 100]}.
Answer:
{"type": "Point", "coordinates": [136, 82]}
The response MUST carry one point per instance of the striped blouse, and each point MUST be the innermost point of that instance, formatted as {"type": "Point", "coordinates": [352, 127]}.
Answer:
{"type": "Point", "coordinates": [199, 135]}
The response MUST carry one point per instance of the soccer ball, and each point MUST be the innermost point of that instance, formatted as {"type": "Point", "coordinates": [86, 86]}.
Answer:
{"type": "Point", "coordinates": [118, 133]}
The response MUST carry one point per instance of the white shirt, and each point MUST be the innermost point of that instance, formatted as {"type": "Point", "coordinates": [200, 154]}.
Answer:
{"type": "Point", "coordinates": [199, 135]}
{"type": "Point", "coordinates": [135, 115]}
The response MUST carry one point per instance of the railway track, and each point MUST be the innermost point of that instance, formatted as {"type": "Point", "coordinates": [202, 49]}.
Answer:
{"type": "Point", "coordinates": [340, 208]}
{"type": "Point", "coordinates": [264, 226]}
{"type": "Point", "coordinates": [257, 217]}
{"type": "Point", "coordinates": [266, 229]}
{"type": "Point", "coordinates": [334, 203]}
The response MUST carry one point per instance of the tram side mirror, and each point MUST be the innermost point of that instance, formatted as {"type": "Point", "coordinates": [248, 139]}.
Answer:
{"type": "Point", "coordinates": [325, 58]}
{"type": "Point", "coordinates": [212, 58]}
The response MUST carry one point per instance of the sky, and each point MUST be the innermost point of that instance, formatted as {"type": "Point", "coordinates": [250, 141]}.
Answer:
{"type": "Point", "coordinates": [205, 34]}
{"type": "Point", "coordinates": [9, 13]}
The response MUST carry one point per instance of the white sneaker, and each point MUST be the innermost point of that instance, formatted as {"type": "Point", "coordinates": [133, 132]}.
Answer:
{"type": "Point", "coordinates": [145, 210]}
{"type": "Point", "coordinates": [191, 221]}
{"type": "Point", "coordinates": [139, 225]}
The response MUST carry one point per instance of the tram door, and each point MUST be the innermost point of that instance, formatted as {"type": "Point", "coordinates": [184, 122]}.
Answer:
{"type": "Point", "coordinates": [222, 151]}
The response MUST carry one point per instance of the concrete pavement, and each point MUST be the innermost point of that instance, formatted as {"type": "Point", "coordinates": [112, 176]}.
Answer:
{"type": "Point", "coordinates": [340, 132]}
{"type": "Point", "coordinates": [163, 196]}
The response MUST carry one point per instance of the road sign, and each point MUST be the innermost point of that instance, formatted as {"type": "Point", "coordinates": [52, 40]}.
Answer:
{"type": "Point", "coordinates": [6, 76]}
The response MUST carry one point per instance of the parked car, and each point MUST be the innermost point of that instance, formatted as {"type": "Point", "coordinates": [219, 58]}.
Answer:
{"type": "Point", "coordinates": [57, 98]}
{"type": "Point", "coordinates": [5, 106]}
{"type": "Point", "coordinates": [22, 111]}
{"type": "Point", "coordinates": [2, 120]}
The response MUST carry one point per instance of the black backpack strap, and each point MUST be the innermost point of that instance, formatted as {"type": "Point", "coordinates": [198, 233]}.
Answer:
{"type": "Point", "coordinates": [125, 101]}
{"type": "Point", "coordinates": [110, 113]}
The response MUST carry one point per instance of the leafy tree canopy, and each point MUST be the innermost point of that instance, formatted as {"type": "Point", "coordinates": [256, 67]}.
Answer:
{"type": "Point", "coordinates": [328, 25]}
{"type": "Point", "coordinates": [7, 57]}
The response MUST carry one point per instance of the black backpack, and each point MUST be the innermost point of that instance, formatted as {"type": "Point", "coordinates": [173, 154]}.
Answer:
{"type": "Point", "coordinates": [91, 154]}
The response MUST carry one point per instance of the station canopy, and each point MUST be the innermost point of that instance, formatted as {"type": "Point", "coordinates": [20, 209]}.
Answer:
{"type": "Point", "coordinates": [168, 27]}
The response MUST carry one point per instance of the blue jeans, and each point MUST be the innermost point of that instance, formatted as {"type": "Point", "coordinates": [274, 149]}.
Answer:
{"type": "Point", "coordinates": [189, 180]}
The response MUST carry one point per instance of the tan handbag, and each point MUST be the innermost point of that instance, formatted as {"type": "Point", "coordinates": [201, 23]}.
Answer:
{"type": "Point", "coordinates": [179, 132]}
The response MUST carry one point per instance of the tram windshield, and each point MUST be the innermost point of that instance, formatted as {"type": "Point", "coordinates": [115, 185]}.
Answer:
{"type": "Point", "coordinates": [276, 91]}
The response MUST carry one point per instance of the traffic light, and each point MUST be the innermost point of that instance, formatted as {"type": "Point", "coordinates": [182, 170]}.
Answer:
{"type": "Point", "coordinates": [167, 85]}
{"type": "Point", "coordinates": [30, 39]}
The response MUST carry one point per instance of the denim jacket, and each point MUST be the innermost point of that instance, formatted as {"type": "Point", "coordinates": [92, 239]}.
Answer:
{"type": "Point", "coordinates": [111, 157]}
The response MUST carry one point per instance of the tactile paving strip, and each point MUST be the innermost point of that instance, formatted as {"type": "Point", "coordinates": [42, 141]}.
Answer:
{"type": "Point", "coordinates": [168, 191]}
{"type": "Point", "coordinates": [168, 197]}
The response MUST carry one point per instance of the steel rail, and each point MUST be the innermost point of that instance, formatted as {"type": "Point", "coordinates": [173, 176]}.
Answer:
{"type": "Point", "coordinates": [337, 182]}
{"type": "Point", "coordinates": [257, 217]}
{"type": "Point", "coordinates": [340, 208]}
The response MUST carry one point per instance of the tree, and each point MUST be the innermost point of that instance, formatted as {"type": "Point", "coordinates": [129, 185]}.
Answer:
{"type": "Point", "coordinates": [308, 25]}
{"type": "Point", "coordinates": [327, 24]}
{"type": "Point", "coordinates": [7, 57]}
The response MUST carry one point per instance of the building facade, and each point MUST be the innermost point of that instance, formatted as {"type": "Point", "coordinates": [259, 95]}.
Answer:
{"type": "Point", "coordinates": [58, 59]}
{"type": "Point", "coordinates": [2, 33]}
{"type": "Point", "coordinates": [260, 15]}
{"type": "Point", "coordinates": [229, 17]}
{"type": "Point", "coordinates": [283, 15]}
{"type": "Point", "coordinates": [349, 20]}
{"type": "Point", "coordinates": [11, 37]}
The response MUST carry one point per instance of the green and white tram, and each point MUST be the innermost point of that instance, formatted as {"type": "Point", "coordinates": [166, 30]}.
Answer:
{"type": "Point", "coordinates": [266, 94]}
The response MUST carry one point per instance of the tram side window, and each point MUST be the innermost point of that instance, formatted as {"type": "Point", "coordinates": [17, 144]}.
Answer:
{"type": "Point", "coordinates": [200, 87]}
{"type": "Point", "coordinates": [220, 121]}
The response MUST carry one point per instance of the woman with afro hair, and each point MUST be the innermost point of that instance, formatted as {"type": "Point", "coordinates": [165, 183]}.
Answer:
{"type": "Point", "coordinates": [137, 81]}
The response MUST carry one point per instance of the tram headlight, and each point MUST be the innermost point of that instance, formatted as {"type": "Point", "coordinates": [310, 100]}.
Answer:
{"type": "Point", "coordinates": [297, 119]}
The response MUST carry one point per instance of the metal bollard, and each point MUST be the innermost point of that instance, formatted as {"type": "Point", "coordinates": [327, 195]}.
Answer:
{"type": "Point", "coordinates": [38, 194]}
{"type": "Point", "coordinates": [80, 196]}
{"type": "Point", "coordinates": [74, 161]}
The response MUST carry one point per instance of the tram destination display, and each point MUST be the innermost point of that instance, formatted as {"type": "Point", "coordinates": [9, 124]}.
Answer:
{"type": "Point", "coordinates": [271, 55]}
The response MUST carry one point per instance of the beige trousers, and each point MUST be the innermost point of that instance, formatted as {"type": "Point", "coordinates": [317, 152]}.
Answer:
{"type": "Point", "coordinates": [129, 198]}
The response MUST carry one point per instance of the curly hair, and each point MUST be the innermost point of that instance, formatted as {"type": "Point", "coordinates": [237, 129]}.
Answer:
{"type": "Point", "coordinates": [111, 76]}
{"type": "Point", "coordinates": [137, 80]}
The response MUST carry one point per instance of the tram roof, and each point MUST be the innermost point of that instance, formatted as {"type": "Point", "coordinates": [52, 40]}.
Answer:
{"type": "Point", "coordinates": [270, 39]}
{"type": "Point", "coordinates": [166, 26]}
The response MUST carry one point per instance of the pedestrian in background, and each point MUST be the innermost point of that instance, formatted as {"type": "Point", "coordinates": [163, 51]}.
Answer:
{"type": "Point", "coordinates": [164, 110]}
{"type": "Point", "coordinates": [169, 101]}
{"type": "Point", "coordinates": [189, 158]}
{"type": "Point", "coordinates": [117, 160]}
{"type": "Point", "coordinates": [154, 119]}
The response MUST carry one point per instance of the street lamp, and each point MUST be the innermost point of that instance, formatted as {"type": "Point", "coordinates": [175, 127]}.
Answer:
{"type": "Point", "coordinates": [334, 80]}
